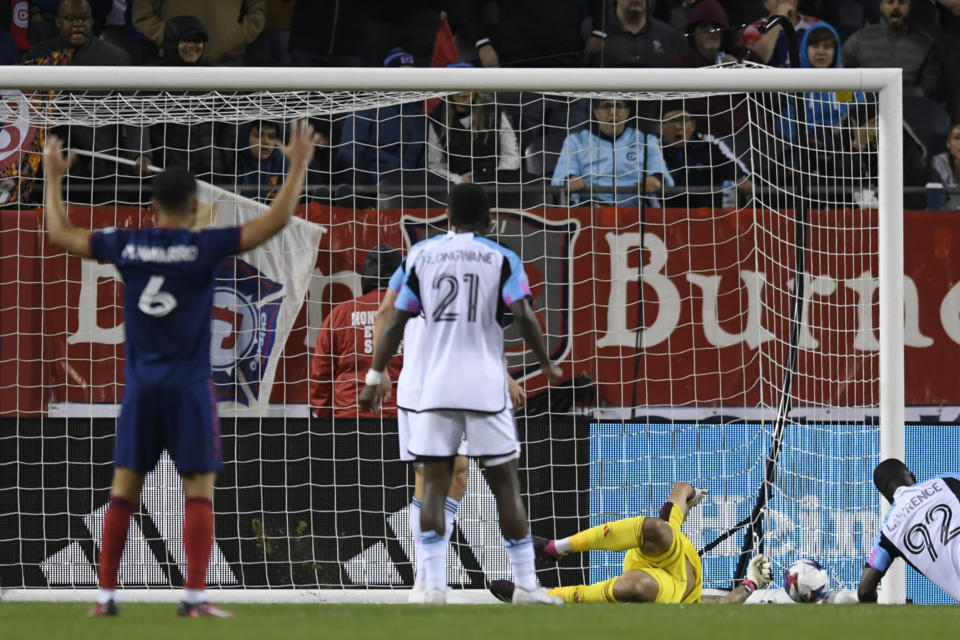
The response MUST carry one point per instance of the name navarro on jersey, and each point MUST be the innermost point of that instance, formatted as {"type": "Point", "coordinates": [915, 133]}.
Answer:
{"type": "Point", "coordinates": [173, 253]}
{"type": "Point", "coordinates": [915, 502]}
{"type": "Point", "coordinates": [465, 255]}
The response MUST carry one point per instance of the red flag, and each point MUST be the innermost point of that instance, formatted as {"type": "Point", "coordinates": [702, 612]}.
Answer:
{"type": "Point", "coordinates": [444, 48]}
{"type": "Point", "coordinates": [444, 52]}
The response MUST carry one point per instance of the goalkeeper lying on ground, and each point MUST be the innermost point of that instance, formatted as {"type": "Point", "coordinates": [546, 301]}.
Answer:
{"type": "Point", "coordinates": [660, 566]}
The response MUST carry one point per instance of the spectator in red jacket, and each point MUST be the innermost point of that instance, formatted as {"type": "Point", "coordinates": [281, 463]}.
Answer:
{"type": "Point", "coordinates": [344, 349]}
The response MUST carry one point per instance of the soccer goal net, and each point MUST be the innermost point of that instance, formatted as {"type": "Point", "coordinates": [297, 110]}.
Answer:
{"type": "Point", "coordinates": [715, 257]}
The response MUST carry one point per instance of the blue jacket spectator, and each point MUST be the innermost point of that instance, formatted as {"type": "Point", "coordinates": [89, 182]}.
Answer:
{"type": "Point", "coordinates": [376, 141]}
{"type": "Point", "coordinates": [819, 49]}
{"type": "Point", "coordinates": [614, 155]}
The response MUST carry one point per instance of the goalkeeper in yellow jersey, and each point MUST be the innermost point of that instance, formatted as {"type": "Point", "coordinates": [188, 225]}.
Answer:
{"type": "Point", "coordinates": [660, 566]}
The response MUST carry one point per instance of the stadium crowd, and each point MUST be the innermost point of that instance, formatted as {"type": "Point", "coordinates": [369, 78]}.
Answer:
{"type": "Point", "coordinates": [520, 139]}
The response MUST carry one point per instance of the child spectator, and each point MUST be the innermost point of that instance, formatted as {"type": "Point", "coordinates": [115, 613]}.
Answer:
{"type": "Point", "coordinates": [824, 110]}
{"type": "Point", "coordinates": [260, 164]}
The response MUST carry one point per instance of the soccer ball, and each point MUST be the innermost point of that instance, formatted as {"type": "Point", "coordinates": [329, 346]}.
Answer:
{"type": "Point", "coordinates": [806, 581]}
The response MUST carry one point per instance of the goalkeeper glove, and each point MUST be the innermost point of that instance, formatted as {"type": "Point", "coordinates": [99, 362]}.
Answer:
{"type": "Point", "coordinates": [758, 572]}
{"type": "Point", "coordinates": [697, 497]}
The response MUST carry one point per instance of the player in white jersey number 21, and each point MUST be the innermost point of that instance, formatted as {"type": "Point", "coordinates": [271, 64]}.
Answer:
{"type": "Point", "coordinates": [922, 527]}
{"type": "Point", "coordinates": [463, 284]}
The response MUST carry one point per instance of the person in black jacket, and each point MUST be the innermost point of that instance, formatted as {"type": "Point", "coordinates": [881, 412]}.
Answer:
{"type": "Point", "coordinates": [533, 33]}
{"type": "Point", "coordinates": [702, 161]}
{"type": "Point", "coordinates": [203, 148]}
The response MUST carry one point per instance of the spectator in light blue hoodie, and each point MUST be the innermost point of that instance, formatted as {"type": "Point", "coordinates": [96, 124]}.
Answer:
{"type": "Point", "coordinates": [825, 110]}
{"type": "Point", "coordinates": [611, 153]}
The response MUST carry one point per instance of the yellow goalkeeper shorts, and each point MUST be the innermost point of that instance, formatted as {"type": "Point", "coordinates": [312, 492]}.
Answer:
{"type": "Point", "coordinates": [670, 568]}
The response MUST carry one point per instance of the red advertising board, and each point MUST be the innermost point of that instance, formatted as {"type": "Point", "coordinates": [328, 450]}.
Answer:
{"type": "Point", "coordinates": [714, 306]}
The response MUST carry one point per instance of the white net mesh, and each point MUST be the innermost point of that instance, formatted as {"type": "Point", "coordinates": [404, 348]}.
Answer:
{"type": "Point", "coordinates": [704, 266]}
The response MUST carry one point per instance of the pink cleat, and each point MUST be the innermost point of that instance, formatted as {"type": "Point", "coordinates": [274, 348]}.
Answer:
{"type": "Point", "coordinates": [202, 610]}
{"type": "Point", "coordinates": [546, 549]}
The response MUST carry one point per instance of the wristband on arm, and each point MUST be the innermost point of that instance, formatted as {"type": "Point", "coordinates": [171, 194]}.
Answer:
{"type": "Point", "coordinates": [373, 378]}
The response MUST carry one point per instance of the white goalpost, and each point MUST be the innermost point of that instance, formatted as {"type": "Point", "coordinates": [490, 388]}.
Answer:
{"type": "Point", "coordinates": [743, 330]}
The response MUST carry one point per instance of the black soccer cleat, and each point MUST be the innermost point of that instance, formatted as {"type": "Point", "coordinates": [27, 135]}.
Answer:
{"type": "Point", "coordinates": [502, 590]}
{"type": "Point", "coordinates": [101, 610]}
{"type": "Point", "coordinates": [541, 550]}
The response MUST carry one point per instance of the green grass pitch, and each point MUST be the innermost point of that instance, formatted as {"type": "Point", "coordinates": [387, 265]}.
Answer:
{"type": "Point", "coordinates": [33, 621]}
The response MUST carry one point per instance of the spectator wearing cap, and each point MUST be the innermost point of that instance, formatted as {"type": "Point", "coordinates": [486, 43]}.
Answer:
{"type": "Point", "coordinates": [610, 152]}
{"type": "Point", "coordinates": [895, 42]}
{"type": "Point", "coordinates": [635, 38]}
{"type": "Point", "coordinates": [344, 347]}
{"type": "Point", "coordinates": [203, 148]}
{"type": "Point", "coordinates": [708, 33]}
{"type": "Point", "coordinates": [231, 24]}
{"type": "Point", "coordinates": [382, 143]}
{"type": "Point", "coordinates": [469, 139]}
{"type": "Point", "coordinates": [699, 160]}
{"type": "Point", "coordinates": [712, 42]}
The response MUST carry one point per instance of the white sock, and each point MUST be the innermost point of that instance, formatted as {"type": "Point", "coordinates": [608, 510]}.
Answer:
{"type": "Point", "coordinates": [450, 514]}
{"type": "Point", "coordinates": [195, 596]}
{"type": "Point", "coordinates": [520, 553]}
{"type": "Point", "coordinates": [106, 595]}
{"type": "Point", "coordinates": [433, 558]}
{"type": "Point", "coordinates": [562, 545]}
{"type": "Point", "coordinates": [415, 530]}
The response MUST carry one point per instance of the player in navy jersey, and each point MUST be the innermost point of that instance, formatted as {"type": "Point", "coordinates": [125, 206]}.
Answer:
{"type": "Point", "coordinates": [922, 527]}
{"type": "Point", "coordinates": [463, 283]}
{"type": "Point", "coordinates": [169, 401]}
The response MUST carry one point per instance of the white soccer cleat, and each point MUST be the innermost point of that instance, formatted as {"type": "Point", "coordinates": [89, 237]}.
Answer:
{"type": "Point", "coordinates": [534, 596]}
{"type": "Point", "coordinates": [417, 594]}
{"type": "Point", "coordinates": [435, 596]}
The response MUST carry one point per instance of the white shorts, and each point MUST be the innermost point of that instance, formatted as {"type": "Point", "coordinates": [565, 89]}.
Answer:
{"type": "Point", "coordinates": [440, 434]}
{"type": "Point", "coordinates": [404, 420]}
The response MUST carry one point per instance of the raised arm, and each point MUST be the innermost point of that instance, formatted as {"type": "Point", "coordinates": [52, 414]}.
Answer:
{"type": "Point", "coordinates": [298, 152]}
{"type": "Point", "coordinates": [59, 229]}
{"type": "Point", "coordinates": [530, 330]}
